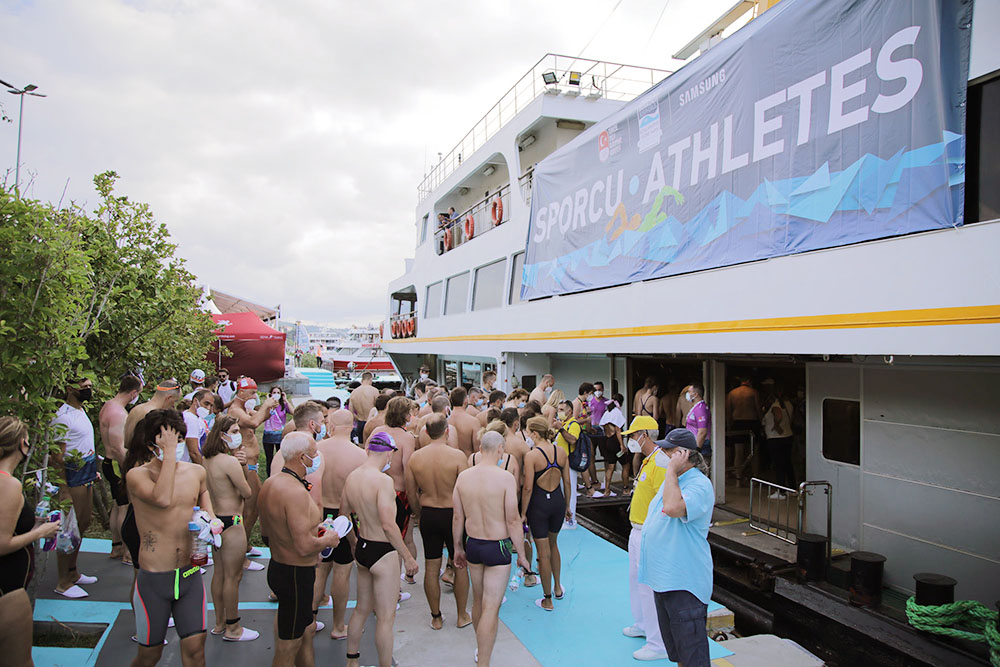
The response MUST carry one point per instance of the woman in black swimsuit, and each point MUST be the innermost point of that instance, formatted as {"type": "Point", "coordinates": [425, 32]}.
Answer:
{"type": "Point", "coordinates": [17, 555]}
{"type": "Point", "coordinates": [543, 504]}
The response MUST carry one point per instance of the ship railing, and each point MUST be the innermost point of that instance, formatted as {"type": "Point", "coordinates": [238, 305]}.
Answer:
{"type": "Point", "coordinates": [524, 181]}
{"type": "Point", "coordinates": [596, 78]}
{"type": "Point", "coordinates": [403, 325]}
{"type": "Point", "coordinates": [773, 508]}
{"type": "Point", "coordinates": [485, 214]}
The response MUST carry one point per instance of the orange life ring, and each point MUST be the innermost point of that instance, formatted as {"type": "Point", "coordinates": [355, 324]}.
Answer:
{"type": "Point", "coordinates": [381, 329]}
{"type": "Point", "coordinates": [413, 327]}
{"type": "Point", "coordinates": [395, 329]}
{"type": "Point", "coordinates": [409, 327]}
{"type": "Point", "coordinates": [447, 239]}
{"type": "Point", "coordinates": [470, 227]}
{"type": "Point", "coordinates": [497, 211]}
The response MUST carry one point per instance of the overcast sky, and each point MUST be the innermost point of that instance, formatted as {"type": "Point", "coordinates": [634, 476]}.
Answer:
{"type": "Point", "coordinates": [282, 142]}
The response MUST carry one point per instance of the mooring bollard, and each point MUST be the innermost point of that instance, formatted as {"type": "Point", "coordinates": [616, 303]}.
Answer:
{"type": "Point", "coordinates": [866, 578]}
{"type": "Point", "coordinates": [810, 557]}
{"type": "Point", "coordinates": [934, 589]}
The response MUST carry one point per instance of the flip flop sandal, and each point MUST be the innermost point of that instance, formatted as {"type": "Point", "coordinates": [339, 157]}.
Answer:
{"type": "Point", "coordinates": [560, 597]}
{"type": "Point", "coordinates": [438, 615]}
{"type": "Point", "coordinates": [220, 632]}
{"type": "Point", "coordinates": [538, 603]}
{"type": "Point", "coordinates": [247, 635]}
{"type": "Point", "coordinates": [531, 574]}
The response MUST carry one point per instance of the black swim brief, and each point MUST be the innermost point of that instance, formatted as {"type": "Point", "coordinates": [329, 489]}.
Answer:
{"type": "Point", "coordinates": [130, 535]}
{"type": "Point", "coordinates": [435, 531]}
{"type": "Point", "coordinates": [229, 521]}
{"type": "Point", "coordinates": [369, 552]}
{"type": "Point", "coordinates": [341, 554]}
{"type": "Point", "coordinates": [159, 595]}
{"type": "Point", "coordinates": [489, 552]}
{"type": "Point", "coordinates": [293, 586]}
{"type": "Point", "coordinates": [118, 491]}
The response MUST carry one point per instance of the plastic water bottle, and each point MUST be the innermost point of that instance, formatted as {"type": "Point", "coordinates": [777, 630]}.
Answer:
{"type": "Point", "coordinates": [199, 548]}
{"type": "Point", "coordinates": [516, 579]}
{"type": "Point", "coordinates": [42, 509]}
{"type": "Point", "coordinates": [323, 527]}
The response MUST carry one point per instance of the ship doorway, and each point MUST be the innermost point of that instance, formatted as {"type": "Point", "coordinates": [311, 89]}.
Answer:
{"type": "Point", "coordinates": [765, 427]}
{"type": "Point", "coordinates": [669, 377]}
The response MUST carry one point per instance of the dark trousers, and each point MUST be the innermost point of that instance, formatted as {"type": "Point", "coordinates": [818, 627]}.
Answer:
{"type": "Point", "coordinates": [780, 451]}
{"type": "Point", "coordinates": [272, 441]}
{"type": "Point", "coordinates": [682, 617]}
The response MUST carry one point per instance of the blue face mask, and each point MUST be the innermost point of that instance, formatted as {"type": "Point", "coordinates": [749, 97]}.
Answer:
{"type": "Point", "coordinates": [314, 464]}
{"type": "Point", "coordinates": [479, 403]}
{"type": "Point", "coordinates": [521, 405]}
{"type": "Point", "coordinates": [322, 433]}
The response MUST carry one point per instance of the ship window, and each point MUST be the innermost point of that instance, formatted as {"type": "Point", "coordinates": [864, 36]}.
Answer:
{"type": "Point", "coordinates": [488, 290]}
{"type": "Point", "coordinates": [423, 227]}
{"type": "Point", "coordinates": [457, 295]}
{"type": "Point", "coordinates": [433, 300]}
{"type": "Point", "coordinates": [515, 278]}
{"type": "Point", "coordinates": [982, 144]}
{"type": "Point", "coordinates": [842, 430]}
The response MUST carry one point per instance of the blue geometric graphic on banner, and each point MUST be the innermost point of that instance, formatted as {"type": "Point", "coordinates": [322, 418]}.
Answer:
{"type": "Point", "coordinates": [869, 199]}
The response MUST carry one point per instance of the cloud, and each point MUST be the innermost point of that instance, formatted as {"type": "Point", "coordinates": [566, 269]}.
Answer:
{"type": "Point", "coordinates": [282, 143]}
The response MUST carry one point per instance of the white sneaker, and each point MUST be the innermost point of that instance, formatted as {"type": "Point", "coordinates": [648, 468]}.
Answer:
{"type": "Point", "coordinates": [633, 631]}
{"type": "Point", "coordinates": [777, 495]}
{"type": "Point", "coordinates": [85, 580]}
{"type": "Point", "coordinates": [647, 653]}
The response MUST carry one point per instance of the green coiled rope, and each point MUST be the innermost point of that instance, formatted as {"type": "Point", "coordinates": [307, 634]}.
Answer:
{"type": "Point", "coordinates": [965, 619]}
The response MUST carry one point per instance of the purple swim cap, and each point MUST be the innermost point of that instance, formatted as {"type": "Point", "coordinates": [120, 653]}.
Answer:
{"type": "Point", "coordinates": [381, 442]}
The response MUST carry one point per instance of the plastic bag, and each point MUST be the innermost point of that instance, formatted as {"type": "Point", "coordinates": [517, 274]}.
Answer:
{"type": "Point", "coordinates": [68, 538]}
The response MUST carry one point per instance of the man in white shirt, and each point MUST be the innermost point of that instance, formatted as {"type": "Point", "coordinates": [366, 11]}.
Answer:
{"type": "Point", "coordinates": [197, 430]}
{"type": "Point", "coordinates": [77, 461]}
{"type": "Point", "coordinates": [227, 387]}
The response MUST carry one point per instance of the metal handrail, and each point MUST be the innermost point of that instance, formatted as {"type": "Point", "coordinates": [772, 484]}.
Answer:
{"type": "Point", "coordinates": [805, 489]}
{"type": "Point", "coordinates": [613, 81]}
{"type": "Point", "coordinates": [524, 181]}
{"type": "Point", "coordinates": [481, 213]}
{"type": "Point", "coordinates": [770, 523]}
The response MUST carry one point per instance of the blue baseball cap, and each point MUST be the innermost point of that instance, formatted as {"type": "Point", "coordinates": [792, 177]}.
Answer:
{"type": "Point", "coordinates": [679, 437]}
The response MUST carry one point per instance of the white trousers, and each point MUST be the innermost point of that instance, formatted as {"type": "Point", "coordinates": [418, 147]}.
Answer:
{"type": "Point", "coordinates": [573, 493]}
{"type": "Point", "coordinates": [641, 595]}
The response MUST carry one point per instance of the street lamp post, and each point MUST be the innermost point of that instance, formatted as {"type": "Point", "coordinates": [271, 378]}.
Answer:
{"type": "Point", "coordinates": [20, 92]}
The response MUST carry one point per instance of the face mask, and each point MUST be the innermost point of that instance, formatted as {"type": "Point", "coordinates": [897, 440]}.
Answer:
{"type": "Point", "coordinates": [202, 412]}
{"type": "Point", "coordinates": [423, 404]}
{"type": "Point", "coordinates": [314, 464]}
{"type": "Point", "coordinates": [688, 397]}
{"type": "Point", "coordinates": [562, 416]}
{"type": "Point", "coordinates": [479, 403]}
{"type": "Point", "coordinates": [235, 440]}
{"type": "Point", "coordinates": [531, 443]}
{"type": "Point", "coordinates": [387, 465]}
{"type": "Point", "coordinates": [276, 396]}
{"type": "Point", "coordinates": [424, 376]}
{"type": "Point", "coordinates": [210, 420]}
{"type": "Point", "coordinates": [598, 393]}
{"type": "Point", "coordinates": [134, 400]}
{"type": "Point", "coordinates": [250, 404]}
{"type": "Point", "coordinates": [85, 394]}
{"type": "Point", "coordinates": [322, 432]}
{"type": "Point", "coordinates": [548, 390]}
{"type": "Point", "coordinates": [633, 445]}
{"type": "Point", "coordinates": [522, 405]}
{"type": "Point", "coordinates": [179, 452]}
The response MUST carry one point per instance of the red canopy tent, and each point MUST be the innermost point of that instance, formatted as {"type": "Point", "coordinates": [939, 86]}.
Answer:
{"type": "Point", "coordinates": [258, 350]}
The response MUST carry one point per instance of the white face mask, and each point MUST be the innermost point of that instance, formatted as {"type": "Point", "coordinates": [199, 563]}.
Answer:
{"type": "Point", "coordinates": [276, 396]}
{"type": "Point", "coordinates": [633, 445]}
{"type": "Point", "coordinates": [134, 400]}
{"type": "Point", "coordinates": [548, 390]}
{"type": "Point", "coordinates": [235, 440]}
{"type": "Point", "coordinates": [387, 465]}
{"type": "Point", "coordinates": [424, 376]}
{"type": "Point", "coordinates": [178, 454]}
{"type": "Point", "coordinates": [202, 412]}
{"type": "Point", "coordinates": [688, 397]}
{"type": "Point", "coordinates": [531, 443]}
{"type": "Point", "coordinates": [598, 393]}
{"type": "Point", "coordinates": [250, 404]}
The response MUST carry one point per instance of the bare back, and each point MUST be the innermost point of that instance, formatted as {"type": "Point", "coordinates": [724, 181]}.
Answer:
{"type": "Point", "coordinates": [366, 490]}
{"type": "Point", "coordinates": [227, 485]}
{"type": "Point", "coordinates": [111, 422]}
{"type": "Point", "coordinates": [516, 446]}
{"type": "Point", "coordinates": [281, 497]}
{"type": "Point", "coordinates": [136, 415]}
{"type": "Point", "coordinates": [464, 425]}
{"type": "Point", "coordinates": [485, 492]}
{"type": "Point", "coordinates": [340, 458]}
{"type": "Point", "coordinates": [743, 403]}
{"type": "Point", "coordinates": [435, 469]}
{"type": "Point", "coordinates": [362, 401]}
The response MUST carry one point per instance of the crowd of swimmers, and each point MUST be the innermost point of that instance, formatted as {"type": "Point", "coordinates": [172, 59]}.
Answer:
{"type": "Point", "coordinates": [483, 473]}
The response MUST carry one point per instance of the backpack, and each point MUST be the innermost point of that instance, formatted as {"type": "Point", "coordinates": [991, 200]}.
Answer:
{"type": "Point", "coordinates": [579, 458]}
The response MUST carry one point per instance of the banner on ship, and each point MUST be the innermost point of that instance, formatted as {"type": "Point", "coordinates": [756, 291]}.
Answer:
{"type": "Point", "coordinates": [819, 124]}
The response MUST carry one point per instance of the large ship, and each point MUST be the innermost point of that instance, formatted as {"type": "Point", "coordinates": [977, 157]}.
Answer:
{"type": "Point", "coordinates": [810, 204]}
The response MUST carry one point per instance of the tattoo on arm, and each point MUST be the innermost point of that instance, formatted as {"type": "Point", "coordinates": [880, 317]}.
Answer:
{"type": "Point", "coordinates": [149, 541]}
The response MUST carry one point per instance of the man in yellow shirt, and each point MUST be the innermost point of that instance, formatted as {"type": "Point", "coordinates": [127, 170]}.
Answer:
{"type": "Point", "coordinates": [648, 481]}
{"type": "Point", "coordinates": [568, 432]}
